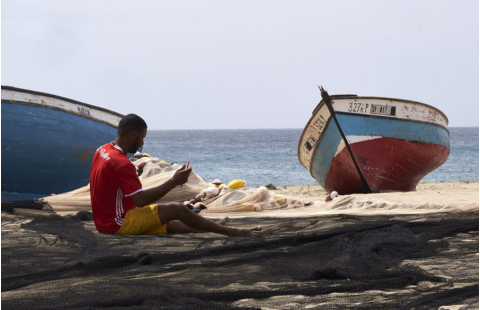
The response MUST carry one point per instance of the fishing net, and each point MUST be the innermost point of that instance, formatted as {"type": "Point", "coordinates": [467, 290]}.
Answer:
{"type": "Point", "coordinates": [255, 199]}
{"type": "Point", "coordinates": [154, 172]}
{"type": "Point", "coordinates": [327, 262]}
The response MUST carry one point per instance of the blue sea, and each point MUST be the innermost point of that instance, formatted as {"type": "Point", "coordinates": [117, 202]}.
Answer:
{"type": "Point", "coordinates": [262, 156]}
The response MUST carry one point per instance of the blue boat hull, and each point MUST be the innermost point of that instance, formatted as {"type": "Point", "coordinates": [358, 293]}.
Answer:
{"type": "Point", "coordinates": [46, 150]}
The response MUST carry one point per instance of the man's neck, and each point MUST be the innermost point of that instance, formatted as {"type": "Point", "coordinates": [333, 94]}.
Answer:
{"type": "Point", "coordinates": [121, 145]}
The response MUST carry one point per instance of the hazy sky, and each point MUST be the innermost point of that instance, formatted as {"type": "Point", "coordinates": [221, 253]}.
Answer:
{"type": "Point", "coordinates": [243, 64]}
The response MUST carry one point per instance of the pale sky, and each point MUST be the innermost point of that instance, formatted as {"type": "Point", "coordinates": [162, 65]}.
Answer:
{"type": "Point", "coordinates": [243, 64]}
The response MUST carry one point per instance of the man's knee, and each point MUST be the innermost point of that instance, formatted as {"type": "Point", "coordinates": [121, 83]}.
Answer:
{"type": "Point", "coordinates": [172, 211]}
{"type": "Point", "coordinates": [174, 208]}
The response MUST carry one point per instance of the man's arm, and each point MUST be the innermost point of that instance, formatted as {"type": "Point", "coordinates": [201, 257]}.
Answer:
{"type": "Point", "coordinates": [151, 195]}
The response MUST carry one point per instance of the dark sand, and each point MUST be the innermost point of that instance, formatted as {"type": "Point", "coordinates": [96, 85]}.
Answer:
{"type": "Point", "coordinates": [420, 261]}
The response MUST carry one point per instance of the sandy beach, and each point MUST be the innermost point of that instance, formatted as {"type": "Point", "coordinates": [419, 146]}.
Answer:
{"type": "Point", "coordinates": [440, 192]}
{"type": "Point", "coordinates": [416, 250]}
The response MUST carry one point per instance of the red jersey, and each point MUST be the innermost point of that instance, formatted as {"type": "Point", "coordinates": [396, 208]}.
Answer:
{"type": "Point", "coordinates": [113, 180]}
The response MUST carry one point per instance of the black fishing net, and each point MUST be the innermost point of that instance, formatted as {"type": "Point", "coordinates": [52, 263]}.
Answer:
{"type": "Point", "coordinates": [327, 262]}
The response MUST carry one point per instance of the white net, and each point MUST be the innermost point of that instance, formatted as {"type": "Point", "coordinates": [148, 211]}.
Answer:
{"type": "Point", "coordinates": [251, 199]}
{"type": "Point", "coordinates": [154, 172]}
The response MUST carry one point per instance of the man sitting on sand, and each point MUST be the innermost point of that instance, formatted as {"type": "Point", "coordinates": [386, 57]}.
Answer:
{"type": "Point", "coordinates": [120, 205]}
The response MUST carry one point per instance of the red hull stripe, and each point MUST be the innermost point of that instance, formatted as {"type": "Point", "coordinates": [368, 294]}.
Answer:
{"type": "Point", "coordinates": [388, 164]}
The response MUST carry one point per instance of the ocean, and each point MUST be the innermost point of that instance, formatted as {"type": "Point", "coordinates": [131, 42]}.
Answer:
{"type": "Point", "coordinates": [263, 156]}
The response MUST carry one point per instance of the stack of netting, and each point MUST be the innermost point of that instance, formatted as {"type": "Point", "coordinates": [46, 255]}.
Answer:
{"type": "Point", "coordinates": [319, 262]}
{"type": "Point", "coordinates": [251, 199]}
{"type": "Point", "coordinates": [153, 172]}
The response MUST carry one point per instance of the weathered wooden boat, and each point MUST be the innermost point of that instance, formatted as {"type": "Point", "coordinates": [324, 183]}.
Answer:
{"type": "Point", "coordinates": [355, 144]}
{"type": "Point", "coordinates": [48, 141]}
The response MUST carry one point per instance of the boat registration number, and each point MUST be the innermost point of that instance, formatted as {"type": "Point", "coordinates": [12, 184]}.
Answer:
{"type": "Point", "coordinates": [310, 143]}
{"type": "Point", "coordinates": [383, 109]}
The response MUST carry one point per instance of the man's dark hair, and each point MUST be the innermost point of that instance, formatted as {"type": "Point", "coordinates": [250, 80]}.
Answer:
{"type": "Point", "coordinates": [131, 122]}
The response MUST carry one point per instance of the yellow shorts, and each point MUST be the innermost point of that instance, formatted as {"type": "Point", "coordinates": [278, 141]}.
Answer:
{"type": "Point", "coordinates": [142, 221]}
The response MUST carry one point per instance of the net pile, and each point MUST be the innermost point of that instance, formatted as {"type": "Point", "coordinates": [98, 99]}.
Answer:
{"type": "Point", "coordinates": [251, 199]}
{"type": "Point", "coordinates": [156, 172]}
{"type": "Point", "coordinates": [328, 262]}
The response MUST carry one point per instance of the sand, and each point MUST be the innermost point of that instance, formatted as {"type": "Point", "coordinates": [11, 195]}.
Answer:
{"type": "Point", "coordinates": [412, 250]}
{"type": "Point", "coordinates": [441, 193]}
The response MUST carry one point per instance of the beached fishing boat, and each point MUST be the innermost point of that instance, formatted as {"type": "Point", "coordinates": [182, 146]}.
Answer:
{"type": "Point", "coordinates": [355, 144]}
{"type": "Point", "coordinates": [48, 141]}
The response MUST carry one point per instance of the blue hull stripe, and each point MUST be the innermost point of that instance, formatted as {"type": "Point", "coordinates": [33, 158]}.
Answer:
{"type": "Point", "coordinates": [369, 126]}
{"type": "Point", "coordinates": [405, 130]}
{"type": "Point", "coordinates": [48, 151]}
{"type": "Point", "coordinates": [325, 152]}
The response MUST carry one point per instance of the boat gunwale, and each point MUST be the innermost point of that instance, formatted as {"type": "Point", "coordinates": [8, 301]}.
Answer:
{"type": "Point", "coordinates": [33, 92]}
{"type": "Point", "coordinates": [60, 109]}
{"type": "Point", "coordinates": [388, 98]}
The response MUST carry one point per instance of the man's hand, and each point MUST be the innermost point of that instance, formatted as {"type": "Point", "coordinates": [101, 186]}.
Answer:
{"type": "Point", "coordinates": [151, 195]}
{"type": "Point", "coordinates": [181, 175]}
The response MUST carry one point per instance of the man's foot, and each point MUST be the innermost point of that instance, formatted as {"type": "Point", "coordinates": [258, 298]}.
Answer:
{"type": "Point", "coordinates": [252, 232]}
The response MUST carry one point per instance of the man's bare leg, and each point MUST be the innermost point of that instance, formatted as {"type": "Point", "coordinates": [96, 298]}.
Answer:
{"type": "Point", "coordinates": [179, 227]}
{"type": "Point", "coordinates": [177, 211]}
